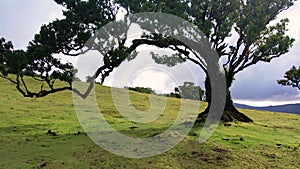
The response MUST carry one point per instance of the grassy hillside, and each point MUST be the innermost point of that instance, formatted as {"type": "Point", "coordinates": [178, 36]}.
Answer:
{"type": "Point", "coordinates": [273, 141]}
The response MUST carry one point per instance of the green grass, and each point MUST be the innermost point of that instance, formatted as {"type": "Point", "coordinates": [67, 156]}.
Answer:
{"type": "Point", "coordinates": [24, 142]}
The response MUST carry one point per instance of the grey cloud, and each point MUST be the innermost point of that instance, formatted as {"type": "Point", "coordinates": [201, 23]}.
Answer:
{"type": "Point", "coordinates": [259, 81]}
{"type": "Point", "coordinates": [20, 20]}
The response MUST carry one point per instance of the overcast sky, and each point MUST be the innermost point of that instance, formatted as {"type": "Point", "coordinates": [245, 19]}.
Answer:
{"type": "Point", "coordinates": [21, 19]}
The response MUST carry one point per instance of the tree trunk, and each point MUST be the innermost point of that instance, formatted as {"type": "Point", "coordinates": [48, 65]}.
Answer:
{"type": "Point", "coordinates": [230, 113]}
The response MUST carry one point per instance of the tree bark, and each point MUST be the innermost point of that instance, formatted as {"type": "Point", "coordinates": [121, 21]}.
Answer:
{"type": "Point", "coordinates": [230, 113]}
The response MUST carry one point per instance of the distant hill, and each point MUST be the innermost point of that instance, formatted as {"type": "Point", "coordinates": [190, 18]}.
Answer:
{"type": "Point", "coordinates": [288, 108]}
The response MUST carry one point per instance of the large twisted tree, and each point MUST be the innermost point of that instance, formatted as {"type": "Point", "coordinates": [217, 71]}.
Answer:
{"type": "Point", "coordinates": [257, 41]}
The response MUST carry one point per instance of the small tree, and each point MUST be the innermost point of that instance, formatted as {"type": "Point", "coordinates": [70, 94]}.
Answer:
{"type": "Point", "coordinates": [291, 78]}
{"type": "Point", "coordinates": [190, 91]}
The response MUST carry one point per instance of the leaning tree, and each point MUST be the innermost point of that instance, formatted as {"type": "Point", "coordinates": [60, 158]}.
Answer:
{"type": "Point", "coordinates": [66, 36]}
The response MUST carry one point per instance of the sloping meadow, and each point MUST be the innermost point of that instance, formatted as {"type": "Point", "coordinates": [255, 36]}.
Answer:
{"type": "Point", "coordinates": [45, 132]}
